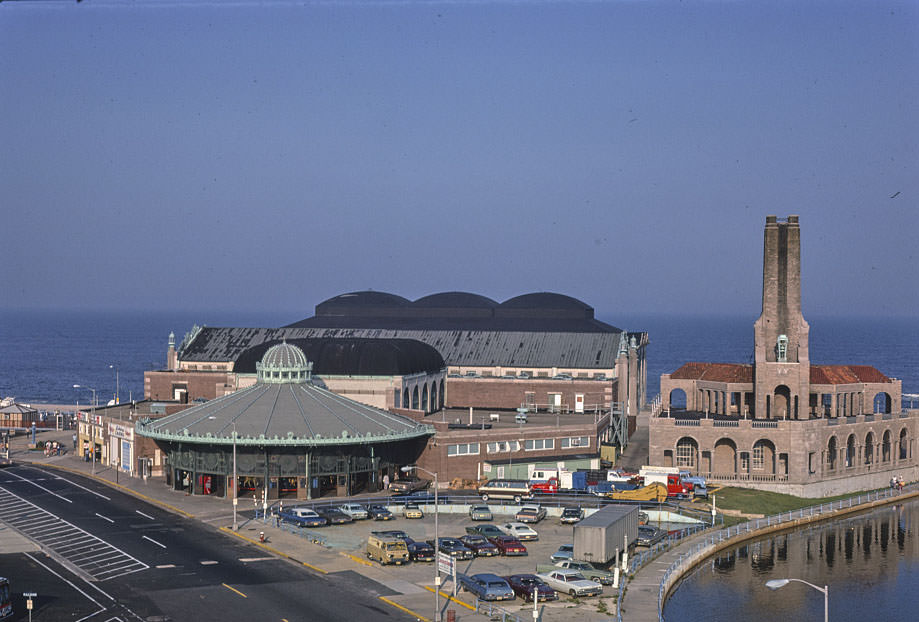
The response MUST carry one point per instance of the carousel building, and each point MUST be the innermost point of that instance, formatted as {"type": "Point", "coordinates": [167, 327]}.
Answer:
{"type": "Point", "coordinates": [286, 435]}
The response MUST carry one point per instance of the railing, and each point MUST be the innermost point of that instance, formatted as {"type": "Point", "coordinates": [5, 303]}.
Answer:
{"type": "Point", "coordinates": [493, 611]}
{"type": "Point", "coordinates": [765, 424]}
{"type": "Point", "coordinates": [700, 549]}
{"type": "Point", "coordinates": [726, 424]}
{"type": "Point", "coordinates": [686, 423]}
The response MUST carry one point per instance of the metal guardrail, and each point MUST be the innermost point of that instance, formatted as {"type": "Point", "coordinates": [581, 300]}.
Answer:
{"type": "Point", "coordinates": [691, 556]}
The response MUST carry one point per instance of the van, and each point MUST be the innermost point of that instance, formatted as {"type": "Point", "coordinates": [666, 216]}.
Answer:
{"type": "Point", "coordinates": [387, 549]}
{"type": "Point", "coordinates": [513, 489]}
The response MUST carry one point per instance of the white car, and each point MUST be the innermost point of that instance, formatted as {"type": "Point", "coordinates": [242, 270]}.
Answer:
{"type": "Point", "coordinates": [571, 582]}
{"type": "Point", "coordinates": [355, 510]}
{"type": "Point", "coordinates": [522, 532]}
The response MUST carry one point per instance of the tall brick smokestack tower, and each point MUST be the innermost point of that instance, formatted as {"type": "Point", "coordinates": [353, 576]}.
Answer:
{"type": "Point", "coordinates": [782, 370]}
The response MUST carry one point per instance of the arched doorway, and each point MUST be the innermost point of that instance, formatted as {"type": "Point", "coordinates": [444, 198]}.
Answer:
{"type": "Point", "coordinates": [903, 444]}
{"type": "Point", "coordinates": [885, 447]}
{"type": "Point", "coordinates": [678, 399]}
{"type": "Point", "coordinates": [831, 452]}
{"type": "Point", "coordinates": [433, 396]}
{"type": "Point", "coordinates": [405, 401]}
{"type": "Point", "coordinates": [850, 451]}
{"type": "Point", "coordinates": [424, 399]}
{"type": "Point", "coordinates": [762, 459]}
{"type": "Point", "coordinates": [781, 402]}
{"type": "Point", "coordinates": [415, 398]}
{"type": "Point", "coordinates": [725, 459]}
{"type": "Point", "coordinates": [869, 448]}
{"type": "Point", "coordinates": [882, 403]}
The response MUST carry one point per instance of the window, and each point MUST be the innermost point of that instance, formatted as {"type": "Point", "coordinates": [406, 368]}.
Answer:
{"type": "Point", "coordinates": [757, 457]}
{"type": "Point", "coordinates": [744, 461]}
{"type": "Point", "coordinates": [686, 453]}
{"type": "Point", "coordinates": [463, 449]}
{"type": "Point", "coordinates": [575, 441]}
{"type": "Point", "coordinates": [537, 444]}
{"type": "Point", "coordinates": [502, 447]}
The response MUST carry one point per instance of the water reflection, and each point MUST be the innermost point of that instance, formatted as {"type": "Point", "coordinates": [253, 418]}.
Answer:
{"type": "Point", "coordinates": [870, 563]}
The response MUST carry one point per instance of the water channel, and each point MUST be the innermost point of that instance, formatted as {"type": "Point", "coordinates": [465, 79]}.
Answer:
{"type": "Point", "coordinates": [870, 562]}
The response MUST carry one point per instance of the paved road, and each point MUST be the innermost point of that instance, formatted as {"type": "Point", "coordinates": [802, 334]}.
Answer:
{"type": "Point", "coordinates": [115, 557]}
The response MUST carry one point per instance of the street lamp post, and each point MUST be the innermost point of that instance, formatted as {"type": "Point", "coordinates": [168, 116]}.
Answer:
{"type": "Point", "coordinates": [437, 616]}
{"type": "Point", "coordinates": [117, 388]}
{"type": "Point", "coordinates": [775, 584]}
{"type": "Point", "coordinates": [92, 425]}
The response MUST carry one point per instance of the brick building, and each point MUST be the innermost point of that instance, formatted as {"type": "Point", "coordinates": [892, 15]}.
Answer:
{"type": "Point", "coordinates": [783, 423]}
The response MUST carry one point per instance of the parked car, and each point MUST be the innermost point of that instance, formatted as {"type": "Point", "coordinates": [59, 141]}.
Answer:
{"type": "Point", "coordinates": [571, 515]}
{"type": "Point", "coordinates": [419, 551]}
{"type": "Point", "coordinates": [649, 536]}
{"type": "Point", "coordinates": [355, 510]}
{"type": "Point", "coordinates": [571, 582]}
{"type": "Point", "coordinates": [454, 548]}
{"type": "Point", "coordinates": [334, 515]}
{"type": "Point", "coordinates": [387, 550]}
{"type": "Point", "coordinates": [480, 512]}
{"type": "Point", "coordinates": [586, 569]}
{"type": "Point", "coordinates": [487, 586]}
{"type": "Point", "coordinates": [505, 489]}
{"type": "Point", "coordinates": [302, 517]}
{"type": "Point", "coordinates": [410, 484]}
{"type": "Point", "coordinates": [530, 514]}
{"type": "Point", "coordinates": [479, 545]}
{"type": "Point", "coordinates": [489, 531]}
{"type": "Point", "coordinates": [565, 551]}
{"type": "Point", "coordinates": [411, 510]}
{"type": "Point", "coordinates": [508, 545]}
{"type": "Point", "coordinates": [378, 512]}
{"type": "Point", "coordinates": [522, 532]}
{"type": "Point", "coordinates": [524, 585]}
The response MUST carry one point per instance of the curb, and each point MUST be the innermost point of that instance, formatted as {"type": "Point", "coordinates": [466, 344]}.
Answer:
{"type": "Point", "coordinates": [405, 609]}
{"type": "Point", "coordinates": [449, 598]}
{"type": "Point", "coordinates": [112, 484]}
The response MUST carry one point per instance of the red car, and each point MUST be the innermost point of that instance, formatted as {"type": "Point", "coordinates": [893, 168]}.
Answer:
{"type": "Point", "coordinates": [479, 545]}
{"type": "Point", "coordinates": [525, 584]}
{"type": "Point", "coordinates": [509, 545]}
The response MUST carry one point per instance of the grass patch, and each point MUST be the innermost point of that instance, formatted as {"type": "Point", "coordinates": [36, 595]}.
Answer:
{"type": "Point", "coordinates": [751, 501]}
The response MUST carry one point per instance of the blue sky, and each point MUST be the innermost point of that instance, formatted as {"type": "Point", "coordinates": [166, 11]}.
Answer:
{"type": "Point", "coordinates": [270, 155]}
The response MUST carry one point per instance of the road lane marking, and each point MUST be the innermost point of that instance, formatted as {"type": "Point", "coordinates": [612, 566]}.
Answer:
{"type": "Point", "coordinates": [153, 541]}
{"type": "Point", "coordinates": [22, 515]}
{"type": "Point", "coordinates": [63, 479]}
{"type": "Point", "coordinates": [405, 609]}
{"type": "Point", "coordinates": [209, 562]}
{"type": "Point", "coordinates": [234, 590]}
{"type": "Point", "coordinates": [256, 559]}
{"type": "Point", "coordinates": [449, 597]}
{"type": "Point", "coordinates": [230, 532]}
{"type": "Point", "coordinates": [164, 566]}
{"type": "Point", "coordinates": [106, 517]}
{"type": "Point", "coordinates": [144, 515]}
{"type": "Point", "coordinates": [48, 490]}
{"type": "Point", "coordinates": [90, 598]}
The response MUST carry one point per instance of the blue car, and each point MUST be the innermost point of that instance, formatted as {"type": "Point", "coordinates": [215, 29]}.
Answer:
{"type": "Point", "coordinates": [487, 586]}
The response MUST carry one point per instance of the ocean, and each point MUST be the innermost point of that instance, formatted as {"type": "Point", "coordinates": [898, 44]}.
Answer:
{"type": "Point", "coordinates": [44, 353]}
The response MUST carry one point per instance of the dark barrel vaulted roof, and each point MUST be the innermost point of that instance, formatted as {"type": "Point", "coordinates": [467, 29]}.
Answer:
{"type": "Point", "coordinates": [355, 357]}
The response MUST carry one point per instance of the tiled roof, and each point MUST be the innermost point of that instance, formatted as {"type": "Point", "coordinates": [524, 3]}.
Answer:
{"type": "Point", "coordinates": [845, 374]}
{"type": "Point", "coordinates": [715, 372]}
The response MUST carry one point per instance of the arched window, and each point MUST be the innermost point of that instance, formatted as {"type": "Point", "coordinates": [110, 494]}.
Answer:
{"type": "Point", "coordinates": [441, 404]}
{"type": "Point", "coordinates": [405, 402]}
{"type": "Point", "coordinates": [869, 448]}
{"type": "Point", "coordinates": [885, 447]}
{"type": "Point", "coordinates": [415, 398]}
{"type": "Point", "coordinates": [850, 451]}
{"type": "Point", "coordinates": [903, 444]}
{"type": "Point", "coordinates": [424, 399]}
{"type": "Point", "coordinates": [433, 396]}
{"type": "Point", "coordinates": [882, 403]}
{"type": "Point", "coordinates": [686, 449]}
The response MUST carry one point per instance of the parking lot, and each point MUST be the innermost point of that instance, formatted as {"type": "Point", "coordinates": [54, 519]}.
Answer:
{"type": "Point", "coordinates": [348, 542]}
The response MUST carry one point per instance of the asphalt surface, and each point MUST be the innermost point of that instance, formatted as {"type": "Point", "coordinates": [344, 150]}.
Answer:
{"type": "Point", "coordinates": [112, 556]}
